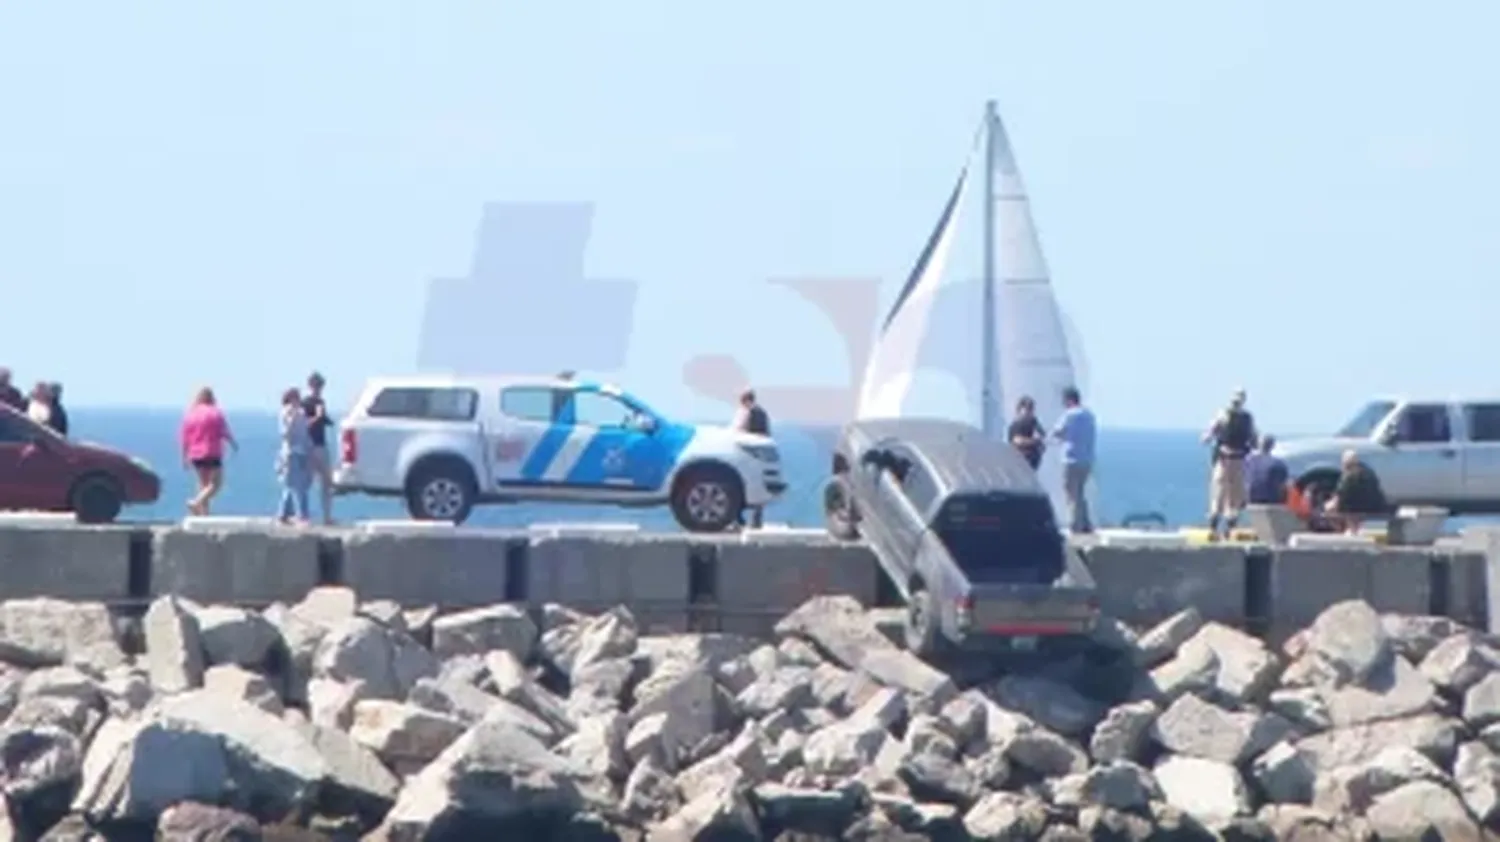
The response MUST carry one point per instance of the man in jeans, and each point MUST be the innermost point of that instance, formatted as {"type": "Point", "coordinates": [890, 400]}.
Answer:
{"type": "Point", "coordinates": [318, 423]}
{"type": "Point", "coordinates": [1076, 430]}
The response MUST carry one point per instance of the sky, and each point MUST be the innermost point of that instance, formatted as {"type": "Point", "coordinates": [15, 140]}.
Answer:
{"type": "Point", "coordinates": [1292, 197]}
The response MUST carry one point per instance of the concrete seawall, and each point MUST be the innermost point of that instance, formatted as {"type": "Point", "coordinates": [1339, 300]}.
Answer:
{"type": "Point", "coordinates": [719, 583]}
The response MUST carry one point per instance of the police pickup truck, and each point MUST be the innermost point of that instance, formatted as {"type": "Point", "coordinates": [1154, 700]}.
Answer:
{"type": "Point", "coordinates": [447, 443]}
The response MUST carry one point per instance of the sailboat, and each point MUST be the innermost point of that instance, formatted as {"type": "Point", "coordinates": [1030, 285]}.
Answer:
{"type": "Point", "coordinates": [1022, 345]}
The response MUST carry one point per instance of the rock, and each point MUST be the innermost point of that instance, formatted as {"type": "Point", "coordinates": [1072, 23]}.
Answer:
{"type": "Point", "coordinates": [1350, 637]}
{"type": "Point", "coordinates": [330, 703]}
{"type": "Point", "coordinates": [387, 662]}
{"type": "Point", "coordinates": [1045, 753]}
{"type": "Point", "coordinates": [494, 779]}
{"type": "Point", "coordinates": [404, 736]}
{"type": "Point", "coordinates": [1194, 669]}
{"type": "Point", "coordinates": [610, 635]}
{"type": "Point", "coordinates": [1120, 785]}
{"type": "Point", "coordinates": [904, 671]}
{"type": "Point", "coordinates": [687, 703]}
{"type": "Point", "coordinates": [1433, 735]}
{"type": "Point", "coordinates": [598, 746]}
{"type": "Point", "coordinates": [1458, 662]}
{"type": "Point", "coordinates": [193, 822]}
{"type": "Point", "coordinates": [1158, 645]}
{"type": "Point", "coordinates": [1122, 732]}
{"type": "Point", "coordinates": [1051, 703]}
{"type": "Point", "coordinates": [1392, 690]}
{"type": "Point", "coordinates": [1414, 637]}
{"type": "Point", "coordinates": [1196, 728]}
{"type": "Point", "coordinates": [174, 648]}
{"type": "Point", "coordinates": [839, 626]}
{"type": "Point", "coordinates": [1005, 815]}
{"type": "Point", "coordinates": [1246, 668]}
{"type": "Point", "coordinates": [235, 636]}
{"type": "Point", "coordinates": [601, 687]}
{"type": "Point", "coordinates": [724, 813]}
{"type": "Point", "coordinates": [1482, 702]}
{"type": "Point", "coordinates": [1207, 790]}
{"type": "Point", "coordinates": [504, 627]}
{"type": "Point", "coordinates": [1352, 788]}
{"type": "Point", "coordinates": [222, 752]}
{"type": "Point", "coordinates": [1421, 810]}
{"type": "Point", "coordinates": [357, 783]}
{"type": "Point", "coordinates": [43, 632]}
{"type": "Point", "coordinates": [1284, 774]}
{"type": "Point", "coordinates": [242, 685]}
{"type": "Point", "coordinates": [803, 810]}
{"type": "Point", "coordinates": [1476, 772]}
{"type": "Point", "coordinates": [512, 683]}
{"type": "Point", "coordinates": [1303, 707]}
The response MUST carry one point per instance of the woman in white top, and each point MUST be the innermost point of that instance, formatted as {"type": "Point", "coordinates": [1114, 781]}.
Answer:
{"type": "Point", "coordinates": [39, 407]}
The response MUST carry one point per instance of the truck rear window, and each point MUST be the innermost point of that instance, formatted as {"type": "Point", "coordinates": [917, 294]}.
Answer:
{"type": "Point", "coordinates": [427, 404]}
{"type": "Point", "coordinates": [1002, 537]}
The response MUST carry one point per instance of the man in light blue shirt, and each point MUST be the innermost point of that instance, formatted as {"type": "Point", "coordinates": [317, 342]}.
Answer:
{"type": "Point", "coordinates": [1076, 430]}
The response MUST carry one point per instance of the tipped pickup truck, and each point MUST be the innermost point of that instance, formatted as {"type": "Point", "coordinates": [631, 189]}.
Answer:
{"type": "Point", "coordinates": [964, 531]}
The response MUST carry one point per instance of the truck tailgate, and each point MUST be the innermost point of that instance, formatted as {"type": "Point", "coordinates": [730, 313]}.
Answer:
{"type": "Point", "coordinates": [1027, 609]}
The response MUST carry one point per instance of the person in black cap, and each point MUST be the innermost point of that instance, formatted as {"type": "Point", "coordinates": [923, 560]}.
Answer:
{"type": "Point", "coordinates": [318, 423]}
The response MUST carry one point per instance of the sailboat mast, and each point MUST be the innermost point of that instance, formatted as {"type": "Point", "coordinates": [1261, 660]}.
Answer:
{"type": "Point", "coordinates": [990, 417]}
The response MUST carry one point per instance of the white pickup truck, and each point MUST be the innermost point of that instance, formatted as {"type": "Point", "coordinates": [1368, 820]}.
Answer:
{"type": "Point", "coordinates": [446, 443]}
{"type": "Point", "coordinates": [1425, 452]}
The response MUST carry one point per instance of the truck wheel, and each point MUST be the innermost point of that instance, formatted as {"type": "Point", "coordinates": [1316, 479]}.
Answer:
{"type": "Point", "coordinates": [707, 499]}
{"type": "Point", "coordinates": [921, 629]}
{"type": "Point", "coordinates": [840, 512]}
{"type": "Point", "coordinates": [440, 491]}
{"type": "Point", "coordinates": [96, 500]}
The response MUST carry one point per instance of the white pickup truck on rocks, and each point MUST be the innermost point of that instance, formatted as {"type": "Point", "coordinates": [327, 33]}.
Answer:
{"type": "Point", "coordinates": [497, 723]}
{"type": "Point", "coordinates": [1426, 452]}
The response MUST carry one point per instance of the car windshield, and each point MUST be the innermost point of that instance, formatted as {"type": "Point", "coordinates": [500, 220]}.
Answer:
{"type": "Point", "coordinates": [1002, 537]}
{"type": "Point", "coordinates": [1364, 423]}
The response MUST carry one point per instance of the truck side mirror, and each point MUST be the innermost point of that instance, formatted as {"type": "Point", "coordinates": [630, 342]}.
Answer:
{"type": "Point", "coordinates": [1388, 436]}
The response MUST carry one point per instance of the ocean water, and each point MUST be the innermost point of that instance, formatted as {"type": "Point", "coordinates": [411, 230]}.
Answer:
{"type": "Point", "coordinates": [1138, 471]}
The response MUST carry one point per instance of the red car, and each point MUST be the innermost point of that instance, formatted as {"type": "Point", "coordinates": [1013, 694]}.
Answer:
{"type": "Point", "coordinates": [40, 470]}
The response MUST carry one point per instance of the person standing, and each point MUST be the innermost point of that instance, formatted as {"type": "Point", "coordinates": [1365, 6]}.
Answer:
{"type": "Point", "coordinates": [1077, 431]}
{"type": "Point", "coordinates": [1232, 434]}
{"type": "Point", "coordinates": [9, 395]}
{"type": "Point", "coordinates": [39, 405]}
{"type": "Point", "coordinates": [1266, 475]}
{"type": "Point", "coordinates": [204, 433]}
{"type": "Point", "coordinates": [318, 422]}
{"type": "Point", "coordinates": [294, 459]}
{"type": "Point", "coordinates": [59, 415]}
{"type": "Point", "coordinates": [751, 417]}
{"type": "Point", "coordinates": [1026, 433]}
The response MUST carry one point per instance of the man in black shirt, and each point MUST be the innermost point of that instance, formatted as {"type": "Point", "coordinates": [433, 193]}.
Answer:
{"type": "Point", "coordinates": [318, 423]}
{"type": "Point", "coordinates": [752, 418]}
{"type": "Point", "coordinates": [1358, 494]}
{"type": "Point", "coordinates": [59, 421]}
{"type": "Point", "coordinates": [1026, 433]}
{"type": "Point", "coordinates": [9, 394]}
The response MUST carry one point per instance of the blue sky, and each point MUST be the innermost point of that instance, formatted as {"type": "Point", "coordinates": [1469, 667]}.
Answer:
{"type": "Point", "coordinates": [1228, 193]}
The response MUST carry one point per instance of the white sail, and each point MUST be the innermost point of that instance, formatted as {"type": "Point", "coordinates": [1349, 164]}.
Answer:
{"type": "Point", "coordinates": [893, 362]}
{"type": "Point", "coordinates": [1034, 354]}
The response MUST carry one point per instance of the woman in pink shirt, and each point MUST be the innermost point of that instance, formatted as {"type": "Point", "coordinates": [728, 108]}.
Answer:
{"type": "Point", "coordinates": [204, 434]}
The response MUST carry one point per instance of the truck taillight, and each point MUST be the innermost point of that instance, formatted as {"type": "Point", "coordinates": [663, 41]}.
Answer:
{"type": "Point", "coordinates": [348, 447]}
{"type": "Point", "coordinates": [965, 612]}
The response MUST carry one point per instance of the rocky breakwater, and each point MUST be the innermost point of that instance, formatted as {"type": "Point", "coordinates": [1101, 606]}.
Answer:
{"type": "Point", "coordinates": [340, 720]}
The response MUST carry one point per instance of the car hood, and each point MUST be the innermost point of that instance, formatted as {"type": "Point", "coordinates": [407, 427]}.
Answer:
{"type": "Point", "coordinates": [95, 451]}
{"type": "Point", "coordinates": [1326, 446]}
{"type": "Point", "coordinates": [730, 437]}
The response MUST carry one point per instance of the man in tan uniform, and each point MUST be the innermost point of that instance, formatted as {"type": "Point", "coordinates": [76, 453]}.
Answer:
{"type": "Point", "coordinates": [1232, 435]}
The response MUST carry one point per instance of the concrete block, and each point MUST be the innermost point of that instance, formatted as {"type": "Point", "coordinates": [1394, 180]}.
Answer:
{"type": "Point", "coordinates": [646, 573]}
{"type": "Point", "coordinates": [1468, 594]}
{"type": "Point", "coordinates": [65, 562]}
{"type": "Point", "coordinates": [1304, 581]}
{"type": "Point", "coordinates": [1145, 585]}
{"type": "Point", "coordinates": [761, 580]}
{"type": "Point", "coordinates": [235, 566]}
{"type": "Point", "coordinates": [449, 569]}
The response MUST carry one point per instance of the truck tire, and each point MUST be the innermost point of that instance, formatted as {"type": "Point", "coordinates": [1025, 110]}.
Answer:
{"type": "Point", "coordinates": [921, 629]}
{"type": "Point", "coordinates": [96, 499]}
{"type": "Point", "coordinates": [440, 490]}
{"type": "Point", "coordinates": [707, 498]}
{"type": "Point", "coordinates": [840, 512]}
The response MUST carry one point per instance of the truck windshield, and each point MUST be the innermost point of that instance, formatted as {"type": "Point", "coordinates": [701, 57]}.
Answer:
{"type": "Point", "coordinates": [1365, 422]}
{"type": "Point", "coordinates": [1002, 537]}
